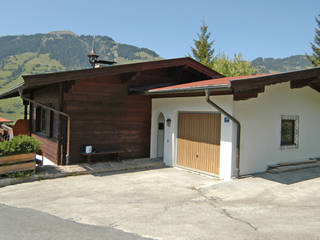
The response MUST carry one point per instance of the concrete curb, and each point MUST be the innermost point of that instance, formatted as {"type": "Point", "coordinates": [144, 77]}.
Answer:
{"type": "Point", "coordinates": [12, 181]}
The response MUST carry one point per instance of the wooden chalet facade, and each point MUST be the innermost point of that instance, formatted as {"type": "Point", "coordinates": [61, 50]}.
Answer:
{"type": "Point", "coordinates": [101, 107]}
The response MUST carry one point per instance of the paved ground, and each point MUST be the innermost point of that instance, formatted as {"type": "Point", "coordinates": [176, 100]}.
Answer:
{"type": "Point", "coordinates": [28, 224]}
{"type": "Point", "coordinates": [175, 204]}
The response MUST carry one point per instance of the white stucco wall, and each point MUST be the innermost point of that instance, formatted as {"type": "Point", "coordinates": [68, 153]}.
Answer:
{"type": "Point", "coordinates": [261, 126]}
{"type": "Point", "coordinates": [170, 107]}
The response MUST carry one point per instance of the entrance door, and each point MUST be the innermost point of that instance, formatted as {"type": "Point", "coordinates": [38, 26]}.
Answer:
{"type": "Point", "coordinates": [160, 137]}
{"type": "Point", "coordinates": [199, 141]}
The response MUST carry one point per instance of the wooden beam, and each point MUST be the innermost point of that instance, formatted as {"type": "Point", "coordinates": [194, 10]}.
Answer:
{"type": "Point", "coordinates": [258, 82]}
{"type": "Point", "coordinates": [301, 83]}
{"type": "Point", "coordinates": [25, 103]}
{"type": "Point", "coordinates": [315, 85]}
{"type": "Point", "coordinates": [45, 106]}
{"type": "Point", "coordinates": [31, 109]}
{"type": "Point", "coordinates": [127, 77]}
{"type": "Point", "coordinates": [59, 137]}
{"type": "Point", "coordinates": [200, 76]}
{"type": "Point", "coordinates": [244, 95]}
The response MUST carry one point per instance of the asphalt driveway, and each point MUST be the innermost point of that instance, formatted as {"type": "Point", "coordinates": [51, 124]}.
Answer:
{"type": "Point", "coordinates": [175, 204]}
{"type": "Point", "coordinates": [29, 224]}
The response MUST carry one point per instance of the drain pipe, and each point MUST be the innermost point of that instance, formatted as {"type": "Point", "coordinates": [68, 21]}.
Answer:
{"type": "Point", "coordinates": [207, 91]}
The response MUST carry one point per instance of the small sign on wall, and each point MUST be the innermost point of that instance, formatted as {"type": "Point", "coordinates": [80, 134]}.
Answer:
{"type": "Point", "coordinates": [226, 119]}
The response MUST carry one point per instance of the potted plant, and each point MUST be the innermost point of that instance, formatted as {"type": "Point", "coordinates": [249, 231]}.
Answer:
{"type": "Point", "coordinates": [18, 154]}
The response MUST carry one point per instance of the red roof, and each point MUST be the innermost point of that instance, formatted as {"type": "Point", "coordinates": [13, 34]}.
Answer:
{"type": "Point", "coordinates": [225, 81]}
{"type": "Point", "coordinates": [3, 120]}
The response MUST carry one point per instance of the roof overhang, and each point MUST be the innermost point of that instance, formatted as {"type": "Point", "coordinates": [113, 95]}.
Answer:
{"type": "Point", "coordinates": [50, 78]}
{"type": "Point", "coordinates": [216, 88]}
{"type": "Point", "coordinates": [13, 92]}
{"type": "Point", "coordinates": [243, 88]}
{"type": "Point", "coordinates": [35, 81]}
{"type": "Point", "coordinates": [250, 88]}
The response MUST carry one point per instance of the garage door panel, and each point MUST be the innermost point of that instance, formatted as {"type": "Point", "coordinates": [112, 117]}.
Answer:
{"type": "Point", "coordinates": [199, 141]}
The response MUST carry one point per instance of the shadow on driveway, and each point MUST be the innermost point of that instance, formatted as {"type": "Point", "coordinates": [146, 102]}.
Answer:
{"type": "Point", "coordinates": [291, 177]}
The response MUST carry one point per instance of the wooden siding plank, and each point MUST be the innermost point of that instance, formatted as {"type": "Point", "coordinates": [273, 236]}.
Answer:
{"type": "Point", "coordinates": [103, 114]}
{"type": "Point", "coordinates": [49, 148]}
{"type": "Point", "coordinates": [17, 167]}
{"type": "Point", "coordinates": [17, 158]}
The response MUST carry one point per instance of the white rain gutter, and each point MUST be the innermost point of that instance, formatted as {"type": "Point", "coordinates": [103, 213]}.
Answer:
{"type": "Point", "coordinates": [207, 92]}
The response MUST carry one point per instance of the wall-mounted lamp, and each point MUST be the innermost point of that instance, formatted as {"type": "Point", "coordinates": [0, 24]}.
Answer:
{"type": "Point", "coordinates": [168, 122]}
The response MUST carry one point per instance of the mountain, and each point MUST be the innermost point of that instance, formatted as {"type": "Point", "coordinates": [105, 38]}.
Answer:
{"type": "Point", "coordinates": [52, 52]}
{"type": "Point", "coordinates": [270, 65]}
{"type": "Point", "coordinates": [64, 50]}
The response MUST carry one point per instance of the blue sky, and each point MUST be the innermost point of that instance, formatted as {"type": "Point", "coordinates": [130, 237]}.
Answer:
{"type": "Point", "coordinates": [266, 28]}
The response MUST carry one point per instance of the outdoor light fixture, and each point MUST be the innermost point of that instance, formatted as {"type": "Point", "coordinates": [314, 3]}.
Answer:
{"type": "Point", "coordinates": [168, 122]}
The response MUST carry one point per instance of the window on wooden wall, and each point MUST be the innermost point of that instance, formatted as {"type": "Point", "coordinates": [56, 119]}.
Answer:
{"type": "Point", "coordinates": [289, 131]}
{"type": "Point", "coordinates": [44, 121]}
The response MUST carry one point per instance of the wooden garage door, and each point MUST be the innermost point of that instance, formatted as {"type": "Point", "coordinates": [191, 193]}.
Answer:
{"type": "Point", "coordinates": [199, 141]}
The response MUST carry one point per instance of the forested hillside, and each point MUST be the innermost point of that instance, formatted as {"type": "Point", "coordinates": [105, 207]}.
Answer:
{"type": "Point", "coordinates": [52, 52]}
{"type": "Point", "coordinates": [293, 63]}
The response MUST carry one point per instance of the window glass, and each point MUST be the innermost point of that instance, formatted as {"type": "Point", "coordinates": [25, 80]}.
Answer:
{"type": "Point", "coordinates": [287, 132]}
{"type": "Point", "coordinates": [45, 122]}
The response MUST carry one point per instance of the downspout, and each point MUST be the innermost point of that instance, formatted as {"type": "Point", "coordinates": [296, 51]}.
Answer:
{"type": "Point", "coordinates": [207, 91]}
{"type": "Point", "coordinates": [54, 110]}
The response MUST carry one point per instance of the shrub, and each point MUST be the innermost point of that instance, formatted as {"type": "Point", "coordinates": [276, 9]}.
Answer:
{"type": "Point", "coordinates": [18, 145]}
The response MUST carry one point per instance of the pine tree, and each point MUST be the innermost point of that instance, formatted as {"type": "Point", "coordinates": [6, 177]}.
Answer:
{"type": "Point", "coordinates": [203, 51]}
{"type": "Point", "coordinates": [315, 57]}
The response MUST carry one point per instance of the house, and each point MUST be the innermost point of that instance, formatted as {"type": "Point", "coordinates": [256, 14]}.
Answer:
{"type": "Point", "coordinates": [178, 110]}
{"type": "Point", "coordinates": [233, 126]}
{"type": "Point", "coordinates": [101, 107]}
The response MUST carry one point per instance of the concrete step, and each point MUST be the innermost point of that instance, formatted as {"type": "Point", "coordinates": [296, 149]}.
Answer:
{"type": "Point", "coordinates": [285, 167]}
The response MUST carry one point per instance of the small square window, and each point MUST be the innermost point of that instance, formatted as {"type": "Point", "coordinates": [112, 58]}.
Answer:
{"type": "Point", "coordinates": [289, 132]}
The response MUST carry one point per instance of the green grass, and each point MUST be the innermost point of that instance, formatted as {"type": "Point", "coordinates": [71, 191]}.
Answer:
{"type": "Point", "coordinates": [30, 63]}
{"type": "Point", "coordinates": [12, 116]}
{"type": "Point", "coordinates": [41, 64]}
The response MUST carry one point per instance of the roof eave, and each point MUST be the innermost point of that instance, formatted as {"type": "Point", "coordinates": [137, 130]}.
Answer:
{"type": "Point", "coordinates": [50, 78]}
{"type": "Point", "coordinates": [222, 87]}
{"type": "Point", "coordinates": [13, 92]}
{"type": "Point", "coordinates": [274, 74]}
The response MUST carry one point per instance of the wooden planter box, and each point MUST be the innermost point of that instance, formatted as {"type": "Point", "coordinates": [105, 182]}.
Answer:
{"type": "Point", "coordinates": [17, 163]}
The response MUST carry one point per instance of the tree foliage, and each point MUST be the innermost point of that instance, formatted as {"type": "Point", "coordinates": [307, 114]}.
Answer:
{"type": "Point", "coordinates": [315, 57]}
{"type": "Point", "coordinates": [233, 67]}
{"type": "Point", "coordinates": [203, 51]}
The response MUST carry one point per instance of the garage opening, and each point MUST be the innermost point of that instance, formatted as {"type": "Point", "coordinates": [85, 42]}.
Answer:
{"type": "Point", "coordinates": [199, 141]}
{"type": "Point", "coordinates": [160, 138]}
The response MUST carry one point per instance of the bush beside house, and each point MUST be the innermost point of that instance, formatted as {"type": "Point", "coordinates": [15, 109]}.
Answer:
{"type": "Point", "coordinates": [18, 145]}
